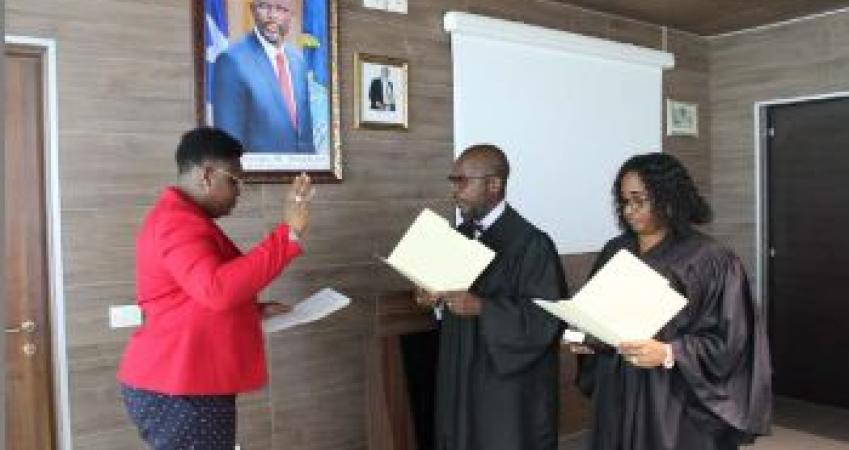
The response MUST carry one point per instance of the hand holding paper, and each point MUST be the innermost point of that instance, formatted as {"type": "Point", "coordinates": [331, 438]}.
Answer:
{"type": "Point", "coordinates": [271, 309]}
{"type": "Point", "coordinates": [427, 299]}
{"type": "Point", "coordinates": [315, 307]}
{"type": "Point", "coordinates": [462, 303]}
{"type": "Point", "coordinates": [647, 353]}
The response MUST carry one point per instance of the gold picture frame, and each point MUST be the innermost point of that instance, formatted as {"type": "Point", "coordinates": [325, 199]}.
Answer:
{"type": "Point", "coordinates": [381, 92]}
{"type": "Point", "coordinates": [314, 46]}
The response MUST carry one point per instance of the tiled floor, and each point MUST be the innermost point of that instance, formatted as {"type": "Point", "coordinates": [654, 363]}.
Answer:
{"type": "Point", "coordinates": [797, 426]}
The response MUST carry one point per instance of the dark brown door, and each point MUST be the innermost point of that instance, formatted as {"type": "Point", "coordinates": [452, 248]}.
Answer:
{"type": "Point", "coordinates": [808, 235]}
{"type": "Point", "coordinates": [29, 394]}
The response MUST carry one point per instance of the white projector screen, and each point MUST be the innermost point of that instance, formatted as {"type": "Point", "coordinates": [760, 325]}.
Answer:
{"type": "Point", "coordinates": [566, 109]}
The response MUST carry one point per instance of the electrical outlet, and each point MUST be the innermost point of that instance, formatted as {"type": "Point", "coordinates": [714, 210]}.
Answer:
{"type": "Point", "coordinates": [375, 4]}
{"type": "Point", "coordinates": [397, 6]}
{"type": "Point", "coordinates": [123, 316]}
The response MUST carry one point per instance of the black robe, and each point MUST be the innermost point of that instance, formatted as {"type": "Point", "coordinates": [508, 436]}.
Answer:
{"type": "Point", "coordinates": [718, 394]}
{"type": "Point", "coordinates": [497, 375]}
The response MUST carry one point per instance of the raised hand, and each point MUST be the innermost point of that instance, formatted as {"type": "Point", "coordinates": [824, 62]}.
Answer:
{"type": "Point", "coordinates": [296, 203]}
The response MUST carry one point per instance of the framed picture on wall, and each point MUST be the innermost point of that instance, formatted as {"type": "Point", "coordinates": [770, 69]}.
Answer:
{"type": "Point", "coordinates": [380, 92]}
{"type": "Point", "coordinates": [682, 118]}
{"type": "Point", "coordinates": [266, 72]}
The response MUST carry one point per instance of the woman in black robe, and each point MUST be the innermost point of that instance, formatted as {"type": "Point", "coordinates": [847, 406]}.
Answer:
{"type": "Point", "coordinates": [703, 382]}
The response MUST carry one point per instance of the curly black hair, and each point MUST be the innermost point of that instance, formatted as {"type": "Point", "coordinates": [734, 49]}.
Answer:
{"type": "Point", "coordinates": [674, 198]}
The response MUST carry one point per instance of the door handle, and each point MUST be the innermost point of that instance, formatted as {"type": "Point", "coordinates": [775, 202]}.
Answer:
{"type": "Point", "coordinates": [27, 326]}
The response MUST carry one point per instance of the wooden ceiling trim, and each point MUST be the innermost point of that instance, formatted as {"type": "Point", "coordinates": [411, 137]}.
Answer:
{"type": "Point", "coordinates": [711, 17]}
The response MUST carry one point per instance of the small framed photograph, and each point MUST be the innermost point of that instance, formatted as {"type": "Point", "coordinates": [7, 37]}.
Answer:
{"type": "Point", "coordinates": [380, 92]}
{"type": "Point", "coordinates": [682, 118]}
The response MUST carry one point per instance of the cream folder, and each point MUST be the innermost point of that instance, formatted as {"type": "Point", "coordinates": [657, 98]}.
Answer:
{"type": "Point", "coordinates": [625, 300]}
{"type": "Point", "coordinates": [437, 258]}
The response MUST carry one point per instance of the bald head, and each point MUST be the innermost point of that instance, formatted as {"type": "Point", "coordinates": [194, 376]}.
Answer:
{"type": "Point", "coordinates": [488, 158]}
{"type": "Point", "coordinates": [478, 179]}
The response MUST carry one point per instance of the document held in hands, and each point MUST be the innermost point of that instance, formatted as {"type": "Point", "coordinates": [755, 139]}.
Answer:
{"type": "Point", "coordinates": [625, 300]}
{"type": "Point", "coordinates": [436, 257]}
{"type": "Point", "coordinates": [315, 307]}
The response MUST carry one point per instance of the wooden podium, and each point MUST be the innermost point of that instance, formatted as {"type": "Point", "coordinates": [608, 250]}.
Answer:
{"type": "Point", "coordinates": [389, 417]}
{"type": "Point", "coordinates": [389, 420]}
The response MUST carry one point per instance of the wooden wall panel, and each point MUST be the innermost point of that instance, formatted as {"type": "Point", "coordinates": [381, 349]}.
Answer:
{"type": "Point", "coordinates": [689, 82]}
{"type": "Point", "coordinates": [804, 58]}
{"type": "Point", "coordinates": [125, 95]}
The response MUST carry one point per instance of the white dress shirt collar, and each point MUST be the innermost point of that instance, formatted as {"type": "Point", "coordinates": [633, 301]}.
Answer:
{"type": "Point", "coordinates": [492, 215]}
{"type": "Point", "coordinates": [270, 49]}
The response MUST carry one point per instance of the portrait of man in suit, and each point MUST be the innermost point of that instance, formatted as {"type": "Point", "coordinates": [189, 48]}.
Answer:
{"type": "Point", "coordinates": [260, 92]}
{"type": "Point", "coordinates": [381, 93]}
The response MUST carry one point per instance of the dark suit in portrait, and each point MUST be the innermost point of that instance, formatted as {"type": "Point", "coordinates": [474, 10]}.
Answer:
{"type": "Point", "coordinates": [377, 99]}
{"type": "Point", "coordinates": [248, 103]}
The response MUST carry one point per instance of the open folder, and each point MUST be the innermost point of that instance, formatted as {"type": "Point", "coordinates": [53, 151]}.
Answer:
{"type": "Point", "coordinates": [436, 257]}
{"type": "Point", "coordinates": [625, 300]}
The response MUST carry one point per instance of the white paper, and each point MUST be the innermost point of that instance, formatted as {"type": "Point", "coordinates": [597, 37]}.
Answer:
{"type": "Point", "coordinates": [436, 257]}
{"type": "Point", "coordinates": [315, 307]}
{"type": "Point", "coordinates": [625, 300]}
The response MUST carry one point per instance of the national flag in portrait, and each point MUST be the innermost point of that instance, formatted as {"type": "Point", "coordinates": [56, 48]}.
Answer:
{"type": "Point", "coordinates": [215, 42]}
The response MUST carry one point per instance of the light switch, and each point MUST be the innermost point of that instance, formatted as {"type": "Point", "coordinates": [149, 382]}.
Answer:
{"type": "Point", "coordinates": [375, 4]}
{"type": "Point", "coordinates": [122, 316]}
{"type": "Point", "coordinates": [397, 6]}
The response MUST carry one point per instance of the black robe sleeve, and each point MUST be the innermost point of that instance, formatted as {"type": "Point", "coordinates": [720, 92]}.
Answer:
{"type": "Point", "coordinates": [723, 356]}
{"type": "Point", "coordinates": [516, 332]}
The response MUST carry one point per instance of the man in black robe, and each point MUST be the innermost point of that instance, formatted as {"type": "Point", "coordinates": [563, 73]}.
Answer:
{"type": "Point", "coordinates": [497, 374]}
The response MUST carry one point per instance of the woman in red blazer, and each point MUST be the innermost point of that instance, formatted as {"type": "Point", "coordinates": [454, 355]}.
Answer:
{"type": "Point", "coordinates": [201, 342]}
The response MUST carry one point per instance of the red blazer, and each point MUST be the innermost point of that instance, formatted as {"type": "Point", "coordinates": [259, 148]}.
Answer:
{"type": "Point", "coordinates": [201, 333]}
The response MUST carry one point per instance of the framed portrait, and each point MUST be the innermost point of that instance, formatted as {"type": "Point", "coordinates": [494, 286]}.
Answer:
{"type": "Point", "coordinates": [266, 72]}
{"type": "Point", "coordinates": [682, 118]}
{"type": "Point", "coordinates": [380, 92]}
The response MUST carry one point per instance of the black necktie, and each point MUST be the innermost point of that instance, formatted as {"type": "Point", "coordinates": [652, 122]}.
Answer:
{"type": "Point", "coordinates": [469, 227]}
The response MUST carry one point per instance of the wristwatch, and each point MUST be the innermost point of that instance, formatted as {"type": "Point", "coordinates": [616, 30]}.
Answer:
{"type": "Point", "coordinates": [669, 361]}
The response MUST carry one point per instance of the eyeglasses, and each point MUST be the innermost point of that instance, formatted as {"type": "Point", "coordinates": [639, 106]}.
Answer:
{"type": "Point", "coordinates": [238, 182]}
{"type": "Point", "coordinates": [634, 203]}
{"type": "Point", "coordinates": [463, 180]}
{"type": "Point", "coordinates": [267, 7]}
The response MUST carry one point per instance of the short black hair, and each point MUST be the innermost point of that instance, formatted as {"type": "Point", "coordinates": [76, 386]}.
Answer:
{"type": "Point", "coordinates": [494, 157]}
{"type": "Point", "coordinates": [674, 197]}
{"type": "Point", "coordinates": [206, 144]}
